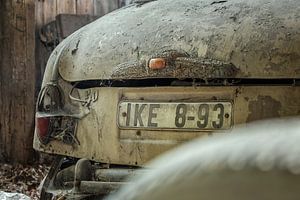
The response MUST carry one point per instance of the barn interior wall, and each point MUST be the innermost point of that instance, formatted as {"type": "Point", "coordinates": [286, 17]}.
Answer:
{"type": "Point", "coordinates": [47, 10]}
{"type": "Point", "coordinates": [17, 80]}
{"type": "Point", "coordinates": [23, 58]}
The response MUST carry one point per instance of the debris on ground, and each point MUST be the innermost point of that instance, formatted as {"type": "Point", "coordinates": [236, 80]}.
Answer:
{"type": "Point", "coordinates": [13, 196]}
{"type": "Point", "coordinates": [22, 179]}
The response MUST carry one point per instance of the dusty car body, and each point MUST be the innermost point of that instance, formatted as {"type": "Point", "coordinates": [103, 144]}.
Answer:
{"type": "Point", "coordinates": [154, 74]}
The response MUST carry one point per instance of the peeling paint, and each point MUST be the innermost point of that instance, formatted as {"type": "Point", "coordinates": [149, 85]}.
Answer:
{"type": "Point", "coordinates": [177, 67]}
{"type": "Point", "coordinates": [264, 107]}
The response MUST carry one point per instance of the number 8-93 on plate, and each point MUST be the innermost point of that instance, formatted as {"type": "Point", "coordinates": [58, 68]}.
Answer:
{"type": "Point", "coordinates": [171, 115]}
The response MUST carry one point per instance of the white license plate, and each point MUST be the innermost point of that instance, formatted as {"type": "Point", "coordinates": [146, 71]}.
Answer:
{"type": "Point", "coordinates": [181, 115]}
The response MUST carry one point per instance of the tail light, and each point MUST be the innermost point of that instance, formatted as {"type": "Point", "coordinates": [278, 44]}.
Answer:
{"type": "Point", "coordinates": [60, 128]}
{"type": "Point", "coordinates": [50, 125]}
{"type": "Point", "coordinates": [42, 129]}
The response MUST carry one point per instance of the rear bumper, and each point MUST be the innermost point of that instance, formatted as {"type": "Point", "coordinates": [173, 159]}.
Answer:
{"type": "Point", "coordinates": [84, 179]}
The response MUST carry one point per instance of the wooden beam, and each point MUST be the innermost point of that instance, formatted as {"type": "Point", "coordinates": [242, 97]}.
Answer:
{"type": "Point", "coordinates": [66, 6]}
{"type": "Point", "coordinates": [17, 77]}
{"type": "Point", "coordinates": [84, 7]}
{"type": "Point", "coordinates": [49, 10]}
{"type": "Point", "coordinates": [102, 7]}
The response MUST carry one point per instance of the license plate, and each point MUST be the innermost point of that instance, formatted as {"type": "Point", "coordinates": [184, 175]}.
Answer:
{"type": "Point", "coordinates": [180, 115]}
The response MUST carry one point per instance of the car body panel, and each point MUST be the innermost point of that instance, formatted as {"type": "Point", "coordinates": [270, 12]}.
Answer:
{"type": "Point", "coordinates": [242, 53]}
{"type": "Point", "coordinates": [259, 39]}
{"type": "Point", "coordinates": [100, 139]}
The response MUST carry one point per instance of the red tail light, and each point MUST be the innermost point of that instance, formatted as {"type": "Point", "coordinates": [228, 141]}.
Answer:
{"type": "Point", "coordinates": [49, 125]}
{"type": "Point", "coordinates": [60, 128]}
{"type": "Point", "coordinates": [42, 129]}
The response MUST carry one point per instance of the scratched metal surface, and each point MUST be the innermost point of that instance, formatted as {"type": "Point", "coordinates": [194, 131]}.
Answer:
{"type": "Point", "coordinates": [234, 38]}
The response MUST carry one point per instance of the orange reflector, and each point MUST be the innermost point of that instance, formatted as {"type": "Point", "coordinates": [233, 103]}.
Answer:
{"type": "Point", "coordinates": [157, 63]}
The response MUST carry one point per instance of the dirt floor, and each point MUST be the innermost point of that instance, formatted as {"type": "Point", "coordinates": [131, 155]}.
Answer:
{"type": "Point", "coordinates": [22, 179]}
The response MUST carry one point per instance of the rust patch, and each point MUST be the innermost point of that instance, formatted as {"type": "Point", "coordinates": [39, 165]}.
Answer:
{"type": "Point", "coordinates": [264, 107]}
{"type": "Point", "coordinates": [178, 65]}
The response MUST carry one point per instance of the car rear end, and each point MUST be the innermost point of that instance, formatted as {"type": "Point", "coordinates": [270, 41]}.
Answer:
{"type": "Point", "coordinates": [146, 78]}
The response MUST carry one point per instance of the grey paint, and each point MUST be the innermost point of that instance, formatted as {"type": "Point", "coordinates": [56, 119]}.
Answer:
{"type": "Point", "coordinates": [260, 38]}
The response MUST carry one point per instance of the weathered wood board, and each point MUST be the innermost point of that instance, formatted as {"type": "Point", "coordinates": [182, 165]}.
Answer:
{"type": "Point", "coordinates": [17, 80]}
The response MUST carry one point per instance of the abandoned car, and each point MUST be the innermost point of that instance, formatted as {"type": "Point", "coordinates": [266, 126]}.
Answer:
{"type": "Point", "coordinates": [152, 75]}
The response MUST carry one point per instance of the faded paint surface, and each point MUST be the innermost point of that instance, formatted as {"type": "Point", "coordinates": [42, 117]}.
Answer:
{"type": "Point", "coordinates": [259, 38]}
{"type": "Point", "coordinates": [263, 107]}
{"type": "Point", "coordinates": [102, 140]}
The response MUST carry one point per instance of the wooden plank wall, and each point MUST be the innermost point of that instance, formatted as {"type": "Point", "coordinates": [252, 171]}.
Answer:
{"type": "Point", "coordinates": [17, 80]}
{"type": "Point", "coordinates": [47, 10]}
{"type": "Point", "coordinates": [20, 21]}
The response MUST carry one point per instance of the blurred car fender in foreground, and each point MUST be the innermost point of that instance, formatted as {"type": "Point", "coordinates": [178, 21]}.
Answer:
{"type": "Point", "coordinates": [260, 160]}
